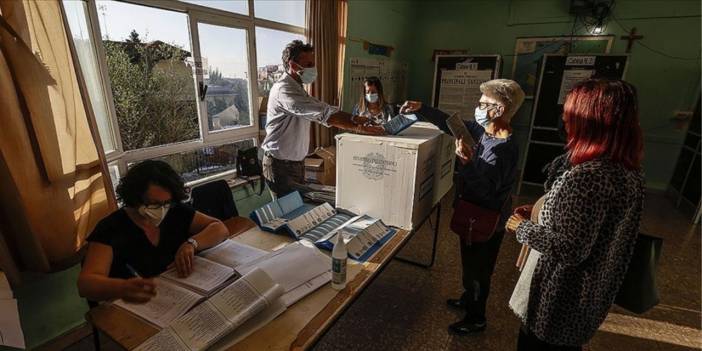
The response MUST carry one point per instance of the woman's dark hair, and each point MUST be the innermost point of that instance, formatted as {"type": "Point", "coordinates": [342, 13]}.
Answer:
{"type": "Point", "coordinates": [133, 185]}
{"type": "Point", "coordinates": [602, 120]}
{"type": "Point", "coordinates": [371, 82]}
{"type": "Point", "coordinates": [293, 50]}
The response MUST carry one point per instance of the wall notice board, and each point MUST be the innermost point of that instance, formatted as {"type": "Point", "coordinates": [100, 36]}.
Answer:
{"type": "Point", "coordinates": [392, 74]}
{"type": "Point", "coordinates": [559, 73]}
{"type": "Point", "coordinates": [457, 80]}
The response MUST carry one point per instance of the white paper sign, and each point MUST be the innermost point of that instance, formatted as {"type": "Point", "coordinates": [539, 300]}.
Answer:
{"type": "Point", "coordinates": [460, 91]}
{"type": "Point", "coordinates": [580, 61]}
{"type": "Point", "coordinates": [570, 78]}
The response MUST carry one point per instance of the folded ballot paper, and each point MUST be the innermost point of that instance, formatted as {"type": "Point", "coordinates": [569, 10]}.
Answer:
{"type": "Point", "coordinates": [319, 224]}
{"type": "Point", "coordinates": [399, 123]}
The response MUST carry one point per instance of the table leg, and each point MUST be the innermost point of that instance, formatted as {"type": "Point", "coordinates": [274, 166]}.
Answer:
{"type": "Point", "coordinates": [434, 243]}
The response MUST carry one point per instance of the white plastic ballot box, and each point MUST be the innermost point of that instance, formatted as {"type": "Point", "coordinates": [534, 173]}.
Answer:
{"type": "Point", "coordinates": [395, 178]}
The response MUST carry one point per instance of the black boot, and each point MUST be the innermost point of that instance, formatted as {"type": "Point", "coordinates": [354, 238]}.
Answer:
{"type": "Point", "coordinates": [468, 326]}
{"type": "Point", "coordinates": [457, 304]}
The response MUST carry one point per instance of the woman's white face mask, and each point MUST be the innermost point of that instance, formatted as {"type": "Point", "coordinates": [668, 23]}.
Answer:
{"type": "Point", "coordinates": [154, 215]}
{"type": "Point", "coordinates": [372, 98]}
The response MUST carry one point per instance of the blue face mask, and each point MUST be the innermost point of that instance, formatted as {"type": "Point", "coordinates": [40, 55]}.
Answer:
{"type": "Point", "coordinates": [481, 116]}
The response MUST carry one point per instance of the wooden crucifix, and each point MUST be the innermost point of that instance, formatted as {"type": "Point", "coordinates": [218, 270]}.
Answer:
{"type": "Point", "coordinates": [631, 38]}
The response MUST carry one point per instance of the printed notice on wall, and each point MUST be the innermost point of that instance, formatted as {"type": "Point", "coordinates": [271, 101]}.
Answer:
{"type": "Point", "coordinates": [570, 78]}
{"type": "Point", "coordinates": [460, 91]}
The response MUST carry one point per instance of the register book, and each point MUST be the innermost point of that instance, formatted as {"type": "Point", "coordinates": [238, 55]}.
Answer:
{"type": "Point", "coordinates": [320, 225]}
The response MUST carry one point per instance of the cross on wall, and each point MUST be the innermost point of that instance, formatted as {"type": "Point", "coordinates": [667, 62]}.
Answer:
{"type": "Point", "coordinates": [631, 38]}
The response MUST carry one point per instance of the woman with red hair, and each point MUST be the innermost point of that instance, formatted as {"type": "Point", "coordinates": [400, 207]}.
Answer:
{"type": "Point", "coordinates": [589, 221]}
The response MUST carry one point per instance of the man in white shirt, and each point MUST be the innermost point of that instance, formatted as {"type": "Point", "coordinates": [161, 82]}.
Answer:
{"type": "Point", "coordinates": [290, 113]}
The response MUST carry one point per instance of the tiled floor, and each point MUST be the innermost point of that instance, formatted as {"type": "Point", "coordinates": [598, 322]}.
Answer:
{"type": "Point", "coordinates": [404, 308]}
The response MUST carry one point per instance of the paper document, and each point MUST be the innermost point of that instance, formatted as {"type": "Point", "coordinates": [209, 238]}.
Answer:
{"type": "Point", "coordinates": [10, 328]}
{"type": "Point", "coordinates": [205, 278]}
{"type": "Point", "coordinates": [232, 254]}
{"type": "Point", "coordinates": [306, 288]}
{"type": "Point", "coordinates": [291, 266]}
{"type": "Point", "coordinates": [458, 128]}
{"type": "Point", "coordinates": [224, 312]}
{"type": "Point", "coordinates": [171, 301]}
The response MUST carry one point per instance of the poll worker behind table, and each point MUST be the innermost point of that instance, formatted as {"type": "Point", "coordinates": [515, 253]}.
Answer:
{"type": "Point", "coordinates": [290, 113]}
{"type": "Point", "coordinates": [486, 179]}
{"type": "Point", "coordinates": [152, 232]}
{"type": "Point", "coordinates": [589, 221]}
{"type": "Point", "coordinates": [373, 104]}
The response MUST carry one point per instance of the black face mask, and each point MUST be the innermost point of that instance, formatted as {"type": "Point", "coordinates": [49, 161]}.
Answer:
{"type": "Point", "coordinates": [562, 134]}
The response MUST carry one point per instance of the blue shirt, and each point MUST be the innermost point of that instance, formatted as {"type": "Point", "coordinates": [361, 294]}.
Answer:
{"type": "Point", "coordinates": [487, 180]}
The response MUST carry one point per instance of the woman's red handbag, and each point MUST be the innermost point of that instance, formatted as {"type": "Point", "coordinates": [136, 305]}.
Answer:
{"type": "Point", "coordinates": [472, 223]}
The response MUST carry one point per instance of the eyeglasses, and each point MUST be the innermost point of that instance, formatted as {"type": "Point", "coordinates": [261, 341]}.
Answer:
{"type": "Point", "coordinates": [157, 206]}
{"type": "Point", "coordinates": [486, 105]}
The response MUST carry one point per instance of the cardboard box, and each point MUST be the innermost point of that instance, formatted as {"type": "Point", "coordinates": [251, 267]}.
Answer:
{"type": "Point", "coordinates": [395, 178]}
{"type": "Point", "coordinates": [320, 166]}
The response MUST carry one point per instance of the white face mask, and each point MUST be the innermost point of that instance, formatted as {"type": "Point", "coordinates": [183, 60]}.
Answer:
{"type": "Point", "coordinates": [307, 75]}
{"type": "Point", "coordinates": [372, 98]}
{"type": "Point", "coordinates": [481, 116]}
{"type": "Point", "coordinates": [154, 215]}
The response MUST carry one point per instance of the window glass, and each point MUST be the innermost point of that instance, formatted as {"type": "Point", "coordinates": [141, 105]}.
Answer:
{"type": "Point", "coordinates": [206, 161]}
{"type": "Point", "coordinates": [236, 6]}
{"type": "Point", "coordinates": [268, 54]}
{"type": "Point", "coordinates": [225, 55]}
{"type": "Point", "coordinates": [285, 11]}
{"type": "Point", "coordinates": [153, 87]}
{"type": "Point", "coordinates": [76, 14]}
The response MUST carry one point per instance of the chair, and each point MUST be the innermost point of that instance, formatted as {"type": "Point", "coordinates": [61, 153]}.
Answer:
{"type": "Point", "coordinates": [215, 199]}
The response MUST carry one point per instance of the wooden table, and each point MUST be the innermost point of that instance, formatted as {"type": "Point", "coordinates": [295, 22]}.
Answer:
{"type": "Point", "coordinates": [298, 328]}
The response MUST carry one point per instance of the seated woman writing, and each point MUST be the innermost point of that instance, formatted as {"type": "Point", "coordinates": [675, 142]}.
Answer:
{"type": "Point", "coordinates": [152, 232]}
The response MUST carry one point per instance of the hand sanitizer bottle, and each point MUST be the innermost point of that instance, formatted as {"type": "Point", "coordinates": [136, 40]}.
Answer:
{"type": "Point", "coordinates": [339, 256]}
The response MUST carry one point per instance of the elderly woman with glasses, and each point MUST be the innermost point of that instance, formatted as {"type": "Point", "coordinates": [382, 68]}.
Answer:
{"type": "Point", "coordinates": [152, 232]}
{"type": "Point", "coordinates": [485, 179]}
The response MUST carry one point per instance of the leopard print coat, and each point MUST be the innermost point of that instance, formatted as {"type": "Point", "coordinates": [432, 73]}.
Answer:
{"type": "Point", "coordinates": [591, 219]}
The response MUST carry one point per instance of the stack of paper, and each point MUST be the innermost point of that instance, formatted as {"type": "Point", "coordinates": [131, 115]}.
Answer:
{"type": "Point", "coordinates": [10, 328]}
{"type": "Point", "coordinates": [299, 269]}
{"type": "Point", "coordinates": [224, 312]}
{"type": "Point", "coordinates": [206, 278]}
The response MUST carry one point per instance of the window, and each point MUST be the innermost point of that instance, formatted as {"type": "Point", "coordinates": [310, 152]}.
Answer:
{"type": "Point", "coordinates": [235, 6]}
{"type": "Point", "coordinates": [227, 98]}
{"type": "Point", "coordinates": [152, 86]}
{"type": "Point", "coordinates": [207, 161]}
{"type": "Point", "coordinates": [268, 53]}
{"type": "Point", "coordinates": [77, 16]}
{"type": "Point", "coordinates": [172, 79]}
{"type": "Point", "coordinates": [284, 11]}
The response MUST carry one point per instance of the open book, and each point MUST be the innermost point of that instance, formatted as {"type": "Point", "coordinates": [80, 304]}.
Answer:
{"type": "Point", "coordinates": [175, 295]}
{"type": "Point", "coordinates": [219, 315]}
{"type": "Point", "coordinates": [320, 224]}
{"type": "Point", "coordinates": [399, 123]}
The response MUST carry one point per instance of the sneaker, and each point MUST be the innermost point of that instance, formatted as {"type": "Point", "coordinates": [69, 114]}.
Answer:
{"type": "Point", "coordinates": [456, 303]}
{"type": "Point", "coordinates": [465, 328]}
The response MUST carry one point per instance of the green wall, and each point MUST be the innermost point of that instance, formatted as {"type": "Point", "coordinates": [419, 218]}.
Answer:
{"type": "Point", "coordinates": [490, 27]}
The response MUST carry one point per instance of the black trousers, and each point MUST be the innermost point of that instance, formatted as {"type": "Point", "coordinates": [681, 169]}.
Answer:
{"type": "Point", "coordinates": [478, 261]}
{"type": "Point", "coordinates": [282, 176]}
{"type": "Point", "coordinates": [529, 342]}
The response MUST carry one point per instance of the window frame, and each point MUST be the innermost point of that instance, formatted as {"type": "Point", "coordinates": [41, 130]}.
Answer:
{"type": "Point", "coordinates": [196, 14]}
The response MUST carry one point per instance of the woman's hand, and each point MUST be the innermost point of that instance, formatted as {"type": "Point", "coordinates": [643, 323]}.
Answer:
{"type": "Point", "coordinates": [410, 106]}
{"type": "Point", "coordinates": [184, 260]}
{"type": "Point", "coordinates": [463, 151]}
{"type": "Point", "coordinates": [513, 222]}
{"type": "Point", "coordinates": [138, 290]}
{"type": "Point", "coordinates": [524, 210]}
